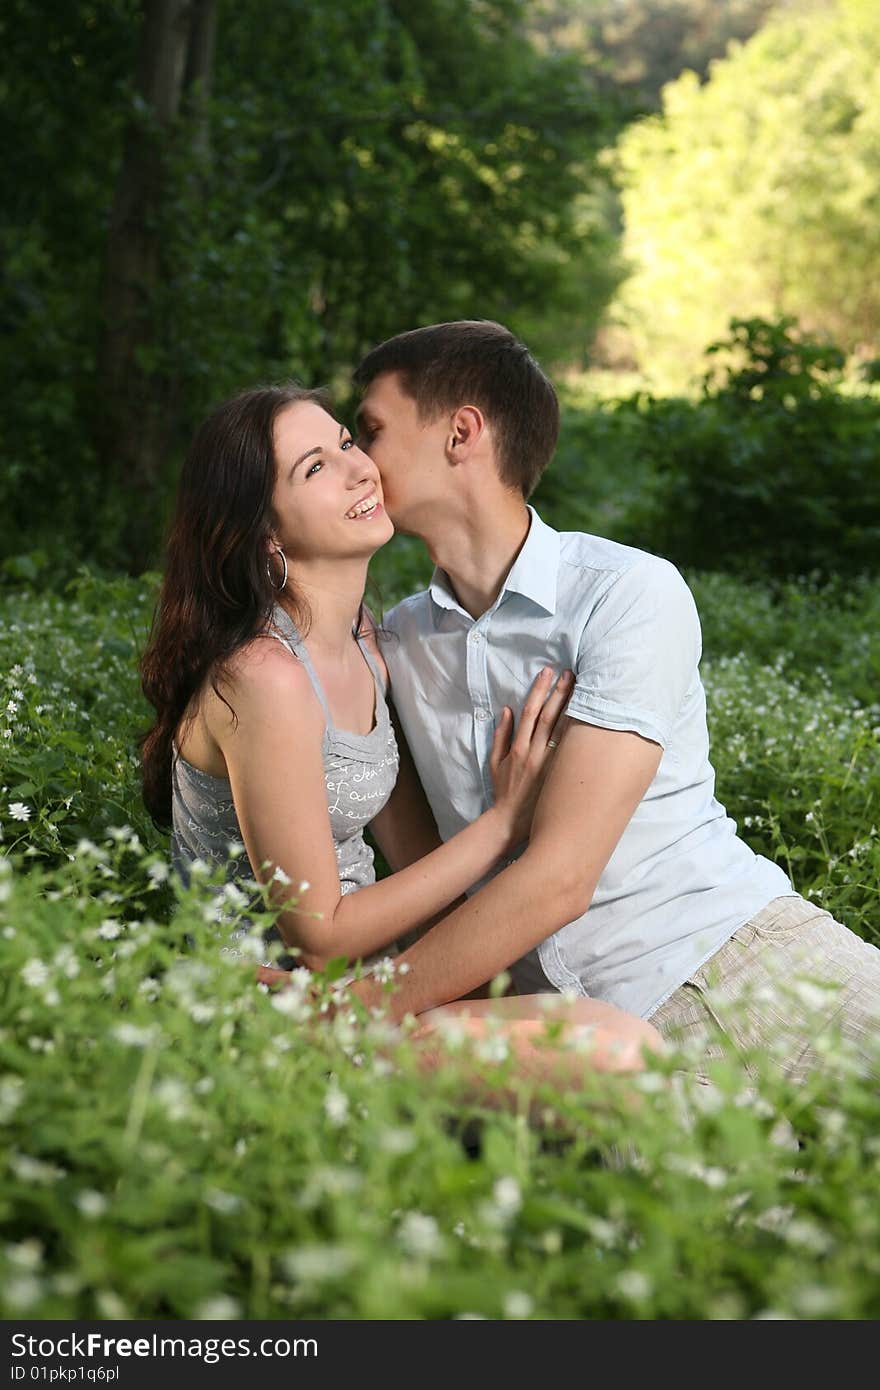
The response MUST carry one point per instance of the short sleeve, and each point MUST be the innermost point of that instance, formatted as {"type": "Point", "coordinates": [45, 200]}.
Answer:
{"type": "Point", "coordinates": [639, 652]}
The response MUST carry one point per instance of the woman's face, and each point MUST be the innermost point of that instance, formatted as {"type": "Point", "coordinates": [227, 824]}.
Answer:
{"type": "Point", "coordinates": [327, 500]}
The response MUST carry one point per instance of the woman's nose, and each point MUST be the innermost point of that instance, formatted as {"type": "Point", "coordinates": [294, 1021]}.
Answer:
{"type": "Point", "coordinates": [361, 467]}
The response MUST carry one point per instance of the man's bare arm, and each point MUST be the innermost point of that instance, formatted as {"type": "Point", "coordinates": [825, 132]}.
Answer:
{"type": "Point", "coordinates": [598, 778]}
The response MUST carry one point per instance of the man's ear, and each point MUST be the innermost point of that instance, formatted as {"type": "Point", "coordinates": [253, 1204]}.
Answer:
{"type": "Point", "coordinates": [467, 427]}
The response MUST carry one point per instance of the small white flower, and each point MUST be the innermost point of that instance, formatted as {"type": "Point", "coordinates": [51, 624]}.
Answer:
{"type": "Point", "coordinates": [220, 1308]}
{"type": "Point", "coordinates": [91, 1203]}
{"type": "Point", "coordinates": [507, 1196]}
{"type": "Point", "coordinates": [234, 897]}
{"type": "Point", "coordinates": [224, 1202]}
{"type": "Point", "coordinates": [34, 1170]}
{"type": "Point", "coordinates": [173, 1096]}
{"type": "Point", "coordinates": [290, 1004]}
{"type": "Point", "coordinates": [19, 811]}
{"type": "Point", "coordinates": [11, 707]}
{"type": "Point", "coordinates": [634, 1285]}
{"type": "Point", "coordinates": [336, 1105]}
{"type": "Point", "coordinates": [11, 1096]}
{"type": "Point", "coordinates": [131, 1036]}
{"type": "Point", "coordinates": [304, 886]}
{"type": "Point", "coordinates": [22, 1292]}
{"type": "Point", "coordinates": [813, 995]}
{"type": "Point", "coordinates": [110, 1305]}
{"type": "Point", "coordinates": [109, 929]}
{"type": "Point", "coordinates": [494, 1048]}
{"type": "Point", "coordinates": [202, 1013]}
{"type": "Point", "coordinates": [35, 973]}
{"type": "Point", "coordinates": [65, 960]}
{"type": "Point", "coordinates": [252, 946]}
{"type": "Point", "coordinates": [25, 1254]}
{"type": "Point", "coordinates": [158, 873]}
{"type": "Point", "coordinates": [383, 970]}
{"type": "Point", "coordinates": [281, 877]}
{"type": "Point", "coordinates": [89, 850]}
{"type": "Point", "coordinates": [808, 1236]}
{"type": "Point", "coordinates": [318, 1264]}
{"type": "Point", "coordinates": [518, 1304]}
{"type": "Point", "coordinates": [397, 1141]}
{"type": "Point", "coordinates": [815, 1301]}
{"type": "Point", "coordinates": [419, 1235]}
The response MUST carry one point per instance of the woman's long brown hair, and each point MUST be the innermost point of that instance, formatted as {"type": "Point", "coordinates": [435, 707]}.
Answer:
{"type": "Point", "coordinates": [216, 594]}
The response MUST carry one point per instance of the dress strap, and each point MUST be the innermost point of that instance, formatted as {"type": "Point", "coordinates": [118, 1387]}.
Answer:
{"type": "Point", "coordinates": [381, 683]}
{"type": "Point", "coordinates": [294, 642]}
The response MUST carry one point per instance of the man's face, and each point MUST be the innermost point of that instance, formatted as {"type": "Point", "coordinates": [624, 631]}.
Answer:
{"type": "Point", "coordinates": [409, 453]}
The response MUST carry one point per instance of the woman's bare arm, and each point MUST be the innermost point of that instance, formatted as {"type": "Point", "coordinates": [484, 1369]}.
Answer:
{"type": "Point", "coordinates": [272, 750]}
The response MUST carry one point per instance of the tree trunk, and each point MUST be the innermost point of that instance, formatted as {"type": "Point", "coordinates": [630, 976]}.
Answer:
{"type": "Point", "coordinates": [135, 426]}
{"type": "Point", "coordinates": [199, 66]}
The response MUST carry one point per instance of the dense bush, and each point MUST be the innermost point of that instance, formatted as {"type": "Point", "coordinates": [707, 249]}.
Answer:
{"type": "Point", "coordinates": [774, 471]}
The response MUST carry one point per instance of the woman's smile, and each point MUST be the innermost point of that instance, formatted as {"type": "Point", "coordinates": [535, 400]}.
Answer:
{"type": "Point", "coordinates": [368, 506]}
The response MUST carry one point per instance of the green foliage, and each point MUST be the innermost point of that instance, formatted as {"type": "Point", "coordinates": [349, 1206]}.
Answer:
{"type": "Point", "coordinates": [756, 192]}
{"type": "Point", "coordinates": [774, 471]}
{"type": "Point", "coordinates": [178, 1144]}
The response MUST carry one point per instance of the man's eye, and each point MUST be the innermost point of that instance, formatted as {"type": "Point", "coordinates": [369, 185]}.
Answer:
{"type": "Point", "coordinates": [315, 465]}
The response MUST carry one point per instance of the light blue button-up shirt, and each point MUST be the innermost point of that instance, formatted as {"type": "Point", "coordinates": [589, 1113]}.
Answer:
{"type": "Point", "coordinates": [680, 881]}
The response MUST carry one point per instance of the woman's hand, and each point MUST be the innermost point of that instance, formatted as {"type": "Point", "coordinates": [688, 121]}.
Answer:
{"type": "Point", "coordinates": [520, 759]}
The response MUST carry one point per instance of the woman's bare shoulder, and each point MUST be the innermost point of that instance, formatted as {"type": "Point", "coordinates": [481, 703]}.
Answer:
{"type": "Point", "coordinates": [265, 677]}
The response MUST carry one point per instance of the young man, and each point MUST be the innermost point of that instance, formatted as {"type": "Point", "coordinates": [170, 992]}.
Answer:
{"type": "Point", "coordinates": [634, 887]}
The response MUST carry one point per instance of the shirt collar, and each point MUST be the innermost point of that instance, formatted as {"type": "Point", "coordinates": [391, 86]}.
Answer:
{"type": "Point", "coordinates": [534, 573]}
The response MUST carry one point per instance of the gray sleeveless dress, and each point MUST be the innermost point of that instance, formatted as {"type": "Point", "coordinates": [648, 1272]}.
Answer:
{"type": "Point", "coordinates": [359, 772]}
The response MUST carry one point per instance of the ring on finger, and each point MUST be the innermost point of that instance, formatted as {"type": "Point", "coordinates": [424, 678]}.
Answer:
{"type": "Point", "coordinates": [551, 743]}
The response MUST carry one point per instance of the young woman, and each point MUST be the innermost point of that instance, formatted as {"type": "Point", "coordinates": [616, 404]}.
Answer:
{"type": "Point", "coordinates": [272, 727]}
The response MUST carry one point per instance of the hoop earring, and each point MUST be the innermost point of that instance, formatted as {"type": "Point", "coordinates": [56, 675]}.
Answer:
{"type": "Point", "coordinates": [283, 584]}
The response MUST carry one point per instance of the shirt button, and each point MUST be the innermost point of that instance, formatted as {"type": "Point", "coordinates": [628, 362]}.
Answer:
{"type": "Point", "coordinates": [476, 637]}
{"type": "Point", "coordinates": [483, 714]}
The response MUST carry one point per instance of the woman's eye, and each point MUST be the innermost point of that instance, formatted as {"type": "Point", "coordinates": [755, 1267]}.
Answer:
{"type": "Point", "coordinates": [315, 465]}
{"type": "Point", "coordinates": [347, 443]}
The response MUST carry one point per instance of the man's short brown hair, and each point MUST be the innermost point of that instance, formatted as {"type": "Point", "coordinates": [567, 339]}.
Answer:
{"type": "Point", "coordinates": [478, 362]}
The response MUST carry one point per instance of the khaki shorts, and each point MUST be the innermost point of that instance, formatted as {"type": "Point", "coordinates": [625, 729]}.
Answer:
{"type": "Point", "coordinates": [793, 985]}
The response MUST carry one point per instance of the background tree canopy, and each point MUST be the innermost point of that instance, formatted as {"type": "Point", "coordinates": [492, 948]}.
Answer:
{"type": "Point", "coordinates": [198, 194]}
{"type": "Point", "coordinates": [187, 214]}
{"type": "Point", "coordinates": [758, 191]}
